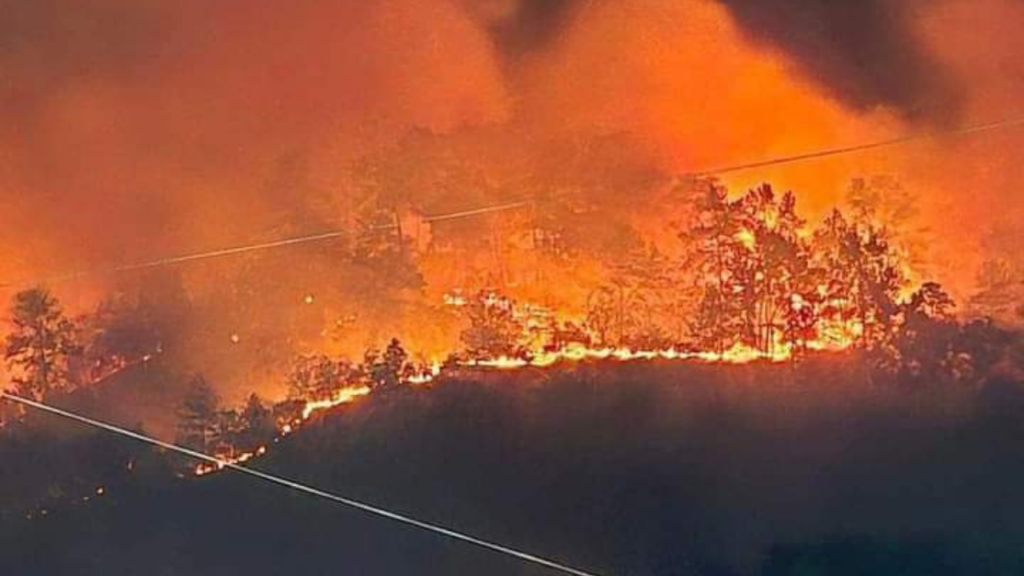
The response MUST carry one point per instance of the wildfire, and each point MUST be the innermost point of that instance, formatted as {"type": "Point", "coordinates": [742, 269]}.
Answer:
{"type": "Point", "coordinates": [834, 338]}
{"type": "Point", "coordinates": [455, 298]}
{"type": "Point", "coordinates": [342, 396]}
{"type": "Point", "coordinates": [746, 238]}
{"type": "Point", "coordinates": [737, 354]}
{"type": "Point", "coordinates": [427, 376]}
{"type": "Point", "coordinates": [208, 467]}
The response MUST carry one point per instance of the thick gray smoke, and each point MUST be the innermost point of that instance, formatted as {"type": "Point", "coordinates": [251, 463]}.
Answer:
{"type": "Point", "coordinates": [864, 51]}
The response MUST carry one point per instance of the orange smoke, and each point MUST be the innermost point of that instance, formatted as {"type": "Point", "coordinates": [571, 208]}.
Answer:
{"type": "Point", "coordinates": [146, 128]}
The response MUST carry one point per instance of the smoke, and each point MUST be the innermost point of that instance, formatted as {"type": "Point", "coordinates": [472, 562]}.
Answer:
{"type": "Point", "coordinates": [140, 128]}
{"type": "Point", "coordinates": [866, 53]}
{"type": "Point", "coordinates": [134, 116]}
{"type": "Point", "coordinates": [524, 26]}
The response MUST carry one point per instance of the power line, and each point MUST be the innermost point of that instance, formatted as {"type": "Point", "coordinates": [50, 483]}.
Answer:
{"type": "Point", "coordinates": [478, 211]}
{"type": "Point", "coordinates": [246, 248]}
{"type": "Point", "coordinates": [905, 139]}
{"type": "Point", "coordinates": [291, 484]}
{"type": "Point", "coordinates": [181, 259]}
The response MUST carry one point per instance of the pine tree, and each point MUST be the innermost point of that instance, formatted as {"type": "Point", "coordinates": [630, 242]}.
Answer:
{"type": "Point", "coordinates": [40, 345]}
{"type": "Point", "coordinates": [864, 277]}
{"type": "Point", "coordinates": [715, 241]}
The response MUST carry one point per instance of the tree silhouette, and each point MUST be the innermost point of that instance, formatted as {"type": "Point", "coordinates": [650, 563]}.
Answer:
{"type": "Point", "coordinates": [40, 345]}
{"type": "Point", "coordinates": [714, 243]}
{"type": "Point", "coordinates": [752, 266]}
{"type": "Point", "coordinates": [863, 276]}
{"type": "Point", "coordinates": [770, 263]}
{"type": "Point", "coordinates": [258, 424]}
{"type": "Point", "coordinates": [927, 334]}
{"type": "Point", "coordinates": [388, 369]}
{"type": "Point", "coordinates": [197, 416]}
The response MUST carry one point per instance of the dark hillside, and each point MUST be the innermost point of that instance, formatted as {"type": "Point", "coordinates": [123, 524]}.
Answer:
{"type": "Point", "coordinates": [625, 469]}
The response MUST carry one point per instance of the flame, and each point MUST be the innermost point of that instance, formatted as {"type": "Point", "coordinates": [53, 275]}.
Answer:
{"type": "Point", "coordinates": [832, 336]}
{"type": "Point", "coordinates": [343, 396]}
{"type": "Point", "coordinates": [737, 354]}
{"type": "Point", "coordinates": [455, 298]}
{"type": "Point", "coordinates": [426, 376]}
{"type": "Point", "coordinates": [209, 467]}
{"type": "Point", "coordinates": [747, 238]}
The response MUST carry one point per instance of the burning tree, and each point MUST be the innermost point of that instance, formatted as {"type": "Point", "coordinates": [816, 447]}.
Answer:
{"type": "Point", "coordinates": [318, 376]}
{"type": "Point", "coordinates": [863, 276]}
{"type": "Point", "coordinates": [763, 280]}
{"type": "Point", "coordinates": [41, 344]}
{"type": "Point", "coordinates": [749, 259]}
{"type": "Point", "coordinates": [494, 330]}
{"type": "Point", "coordinates": [769, 265]}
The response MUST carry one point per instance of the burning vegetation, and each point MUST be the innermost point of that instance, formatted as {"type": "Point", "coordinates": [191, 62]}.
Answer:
{"type": "Point", "coordinates": [746, 279]}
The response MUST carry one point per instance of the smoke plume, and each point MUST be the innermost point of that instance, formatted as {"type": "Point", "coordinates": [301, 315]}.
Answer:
{"type": "Point", "coordinates": [865, 53]}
